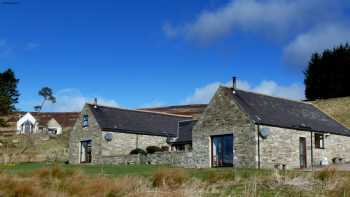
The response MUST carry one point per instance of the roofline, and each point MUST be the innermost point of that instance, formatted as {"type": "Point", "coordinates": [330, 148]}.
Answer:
{"type": "Point", "coordinates": [175, 106]}
{"type": "Point", "coordinates": [142, 111]}
{"type": "Point", "coordinates": [261, 94]}
{"type": "Point", "coordinates": [134, 132]}
{"type": "Point", "coordinates": [301, 129]}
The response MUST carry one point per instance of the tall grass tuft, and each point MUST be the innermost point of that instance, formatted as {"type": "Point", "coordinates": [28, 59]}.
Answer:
{"type": "Point", "coordinates": [170, 177]}
{"type": "Point", "coordinates": [326, 174]}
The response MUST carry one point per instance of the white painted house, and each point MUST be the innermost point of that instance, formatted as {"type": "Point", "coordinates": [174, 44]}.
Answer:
{"type": "Point", "coordinates": [34, 122]}
{"type": "Point", "coordinates": [27, 124]}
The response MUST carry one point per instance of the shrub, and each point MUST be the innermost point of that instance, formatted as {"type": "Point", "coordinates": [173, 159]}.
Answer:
{"type": "Point", "coordinates": [216, 176]}
{"type": "Point", "coordinates": [169, 177]}
{"type": "Point", "coordinates": [326, 173]}
{"type": "Point", "coordinates": [153, 149]}
{"type": "Point", "coordinates": [137, 151]}
{"type": "Point", "coordinates": [165, 148]}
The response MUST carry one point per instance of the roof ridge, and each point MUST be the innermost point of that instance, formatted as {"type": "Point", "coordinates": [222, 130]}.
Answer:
{"type": "Point", "coordinates": [277, 97]}
{"type": "Point", "coordinates": [175, 106]}
{"type": "Point", "coordinates": [143, 111]}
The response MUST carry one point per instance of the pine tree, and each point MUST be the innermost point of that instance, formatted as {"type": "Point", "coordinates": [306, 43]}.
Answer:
{"type": "Point", "coordinates": [8, 93]}
{"type": "Point", "coordinates": [328, 74]}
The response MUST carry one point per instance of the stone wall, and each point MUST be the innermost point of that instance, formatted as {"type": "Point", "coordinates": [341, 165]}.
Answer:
{"type": "Point", "coordinates": [224, 116]}
{"type": "Point", "coordinates": [123, 143]}
{"type": "Point", "coordinates": [121, 159]}
{"type": "Point", "coordinates": [282, 147]}
{"type": "Point", "coordinates": [179, 159]}
{"type": "Point", "coordinates": [78, 134]}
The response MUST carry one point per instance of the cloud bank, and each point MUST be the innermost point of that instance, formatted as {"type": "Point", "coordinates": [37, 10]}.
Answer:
{"type": "Point", "coordinates": [293, 91]}
{"type": "Point", "coordinates": [299, 51]}
{"type": "Point", "coordinates": [299, 24]}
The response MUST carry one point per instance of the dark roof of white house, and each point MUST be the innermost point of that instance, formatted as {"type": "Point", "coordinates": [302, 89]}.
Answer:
{"type": "Point", "coordinates": [280, 112]}
{"type": "Point", "coordinates": [137, 121]}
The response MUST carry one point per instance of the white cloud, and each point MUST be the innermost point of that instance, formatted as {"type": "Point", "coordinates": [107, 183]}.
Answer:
{"type": "Point", "coordinates": [73, 100]}
{"type": "Point", "coordinates": [205, 93]}
{"type": "Point", "coordinates": [299, 51]}
{"type": "Point", "coordinates": [272, 17]}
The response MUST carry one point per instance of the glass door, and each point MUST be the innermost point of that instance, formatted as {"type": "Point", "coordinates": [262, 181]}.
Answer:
{"type": "Point", "coordinates": [222, 150]}
{"type": "Point", "coordinates": [85, 151]}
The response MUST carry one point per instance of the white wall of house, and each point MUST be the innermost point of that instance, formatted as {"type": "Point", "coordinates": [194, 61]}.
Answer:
{"type": "Point", "coordinates": [53, 127]}
{"type": "Point", "coordinates": [27, 123]}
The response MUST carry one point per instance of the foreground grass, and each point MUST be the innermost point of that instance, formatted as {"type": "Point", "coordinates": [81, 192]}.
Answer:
{"type": "Point", "coordinates": [57, 179]}
{"type": "Point", "coordinates": [123, 170]}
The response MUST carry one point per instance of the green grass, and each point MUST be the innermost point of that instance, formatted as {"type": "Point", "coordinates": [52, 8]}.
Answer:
{"type": "Point", "coordinates": [123, 170]}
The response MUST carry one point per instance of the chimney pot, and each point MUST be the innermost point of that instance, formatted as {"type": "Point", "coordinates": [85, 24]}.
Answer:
{"type": "Point", "coordinates": [95, 102]}
{"type": "Point", "coordinates": [234, 83]}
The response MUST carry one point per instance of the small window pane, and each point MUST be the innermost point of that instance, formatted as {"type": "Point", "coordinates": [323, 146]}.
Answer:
{"type": "Point", "coordinates": [85, 121]}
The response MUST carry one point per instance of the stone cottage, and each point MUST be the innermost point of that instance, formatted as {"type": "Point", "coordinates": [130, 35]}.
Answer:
{"type": "Point", "coordinates": [245, 129]}
{"type": "Point", "coordinates": [102, 133]}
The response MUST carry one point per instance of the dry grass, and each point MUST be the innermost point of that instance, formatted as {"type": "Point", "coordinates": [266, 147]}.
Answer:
{"type": "Point", "coordinates": [170, 177]}
{"type": "Point", "coordinates": [174, 182]}
{"type": "Point", "coordinates": [339, 108]}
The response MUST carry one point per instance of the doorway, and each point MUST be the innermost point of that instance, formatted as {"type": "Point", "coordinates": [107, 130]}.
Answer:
{"type": "Point", "coordinates": [222, 150]}
{"type": "Point", "coordinates": [85, 151]}
{"type": "Point", "coordinates": [302, 152]}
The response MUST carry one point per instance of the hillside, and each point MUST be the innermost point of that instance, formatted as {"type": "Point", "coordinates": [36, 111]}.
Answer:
{"type": "Point", "coordinates": [338, 108]}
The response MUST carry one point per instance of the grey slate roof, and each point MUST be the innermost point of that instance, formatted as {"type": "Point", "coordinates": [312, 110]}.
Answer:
{"type": "Point", "coordinates": [184, 133]}
{"type": "Point", "coordinates": [136, 121]}
{"type": "Point", "coordinates": [274, 111]}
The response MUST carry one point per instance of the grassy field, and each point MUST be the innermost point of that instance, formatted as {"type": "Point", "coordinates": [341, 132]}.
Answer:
{"type": "Point", "coordinates": [126, 170]}
{"type": "Point", "coordinates": [58, 179]}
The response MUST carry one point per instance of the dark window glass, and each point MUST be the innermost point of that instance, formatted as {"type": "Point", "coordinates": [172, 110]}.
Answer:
{"type": "Point", "coordinates": [222, 150]}
{"type": "Point", "coordinates": [85, 121]}
{"type": "Point", "coordinates": [319, 140]}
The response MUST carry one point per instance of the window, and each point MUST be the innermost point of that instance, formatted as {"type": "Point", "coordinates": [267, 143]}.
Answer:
{"type": "Point", "coordinates": [85, 121]}
{"type": "Point", "coordinates": [319, 140]}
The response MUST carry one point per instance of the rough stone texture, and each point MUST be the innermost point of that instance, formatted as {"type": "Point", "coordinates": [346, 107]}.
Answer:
{"type": "Point", "coordinates": [179, 159]}
{"type": "Point", "coordinates": [78, 134]}
{"type": "Point", "coordinates": [121, 159]}
{"type": "Point", "coordinates": [224, 116]}
{"type": "Point", "coordinates": [282, 147]}
{"type": "Point", "coordinates": [123, 143]}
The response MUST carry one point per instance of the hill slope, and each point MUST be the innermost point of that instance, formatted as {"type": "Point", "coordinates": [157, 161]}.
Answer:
{"type": "Point", "coordinates": [338, 108]}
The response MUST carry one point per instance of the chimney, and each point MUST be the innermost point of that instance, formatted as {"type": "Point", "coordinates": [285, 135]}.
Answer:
{"type": "Point", "coordinates": [95, 102]}
{"type": "Point", "coordinates": [234, 83]}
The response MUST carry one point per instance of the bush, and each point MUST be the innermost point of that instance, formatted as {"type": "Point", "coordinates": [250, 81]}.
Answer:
{"type": "Point", "coordinates": [165, 148]}
{"type": "Point", "coordinates": [169, 177]}
{"type": "Point", "coordinates": [137, 151]}
{"type": "Point", "coordinates": [326, 173]}
{"type": "Point", "coordinates": [153, 149]}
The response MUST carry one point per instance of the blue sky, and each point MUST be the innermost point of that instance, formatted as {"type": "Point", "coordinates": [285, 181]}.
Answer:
{"type": "Point", "coordinates": [150, 53]}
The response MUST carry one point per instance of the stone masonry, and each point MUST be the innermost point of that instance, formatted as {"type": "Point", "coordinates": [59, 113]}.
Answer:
{"type": "Point", "coordinates": [123, 143]}
{"type": "Point", "coordinates": [224, 116]}
{"type": "Point", "coordinates": [78, 134]}
{"type": "Point", "coordinates": [282, 147]}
